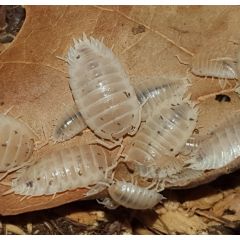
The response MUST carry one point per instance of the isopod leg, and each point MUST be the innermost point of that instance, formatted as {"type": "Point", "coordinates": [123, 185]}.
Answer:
{"type": "Point", "coordinates": [116, 161]}
{"type": "Point", "coordinates": [119, 153]}
{"type": "Point", "coordinates": [13, 170]}
{"type": "Point", "coordinates": [224, 83]}
{"type": "Point", "coordinates": [99, 187]}
{"type": "Point", "coordinates": [133, 179]}
{"type": "Point", "coordinates": [154, 183]}
{"type": "Point", "coordinates": [40, 144]}
{"type": "Point", "coordinates": [160, 186]}
{"type": "Point", "coordinates": [108, 203]}
{"type": "Point", "coordinates": [108, 145]}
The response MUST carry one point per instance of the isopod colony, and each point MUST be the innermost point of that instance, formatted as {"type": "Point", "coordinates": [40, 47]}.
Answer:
{"type": "Point", "coordinates": [157, 112]}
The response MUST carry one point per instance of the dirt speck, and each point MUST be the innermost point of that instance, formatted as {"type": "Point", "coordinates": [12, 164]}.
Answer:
{"type": "Point", "coordinates": [139, 29]}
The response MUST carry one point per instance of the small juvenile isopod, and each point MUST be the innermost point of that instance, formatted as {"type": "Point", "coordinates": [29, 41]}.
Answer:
{"type": "Point", "coordinates": [70, 124]}
{"type": "Point", "coordinates": [16, 144]}
{"type": "Point", "coordinates": [102, 91]}
{"type": "Point", "coordinates": [66, 169]}
{"type": "Point", "coordinates": [132, 196]}
{"type": "Point", "coordinates": [220, 147]}
{"type": "Point", "coordinates": [157, 90]}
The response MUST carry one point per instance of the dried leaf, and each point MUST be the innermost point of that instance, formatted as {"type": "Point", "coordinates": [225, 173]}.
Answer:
{"type": "Point", "coordinates": [146, 39]}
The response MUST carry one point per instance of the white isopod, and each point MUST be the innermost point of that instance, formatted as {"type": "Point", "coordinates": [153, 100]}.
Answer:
{"type": "Point", "coordinates": [165, 132]}
{"type": "Point", "coordinates": [69, 124]}
{"type": "Point", "coordinates": [220, 148]}
{"type": "Point", "coordinates": [66, 169]}
{"type": "Point", "coordinates": [16, 144]}
{"type": "Point", "coordinates": [157, 90]}
{"type": "Point", "coordinates": [102, 91]}
{"type": "Point", "coordinates": [132, 196]}
{"type": "Point", "coordinates": [161, 138]}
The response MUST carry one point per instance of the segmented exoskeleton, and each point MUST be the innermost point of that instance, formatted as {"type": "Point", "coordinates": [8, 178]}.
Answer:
{"type": "Point", "coordinates": [66, 169]}
{"type": "Point", "coordinates": [220, 147]}
{"type": "Point", "coordinates": [132, 196]}
{"type": "Point", "coordinates": [157, 90]}
{"type": "Point", "coordinates": [70, 124]}
{"type": "Point", "coordinates": [16, 144]}
{"type": "Point", "coordinates": [161, 138]}
{"type": "Point", "coordinates": [217, 59]}
{"type": "Point", "coordinates": [102, 90]}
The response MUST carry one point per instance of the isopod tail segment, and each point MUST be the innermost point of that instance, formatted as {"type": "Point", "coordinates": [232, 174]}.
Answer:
{"type": "Point", "coordinates": [68, 125]}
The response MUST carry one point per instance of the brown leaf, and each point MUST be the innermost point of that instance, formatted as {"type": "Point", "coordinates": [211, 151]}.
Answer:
{"type": "Point", "coordinates": [146, 39]}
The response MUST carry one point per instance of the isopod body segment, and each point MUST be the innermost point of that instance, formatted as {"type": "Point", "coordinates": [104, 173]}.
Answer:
{"type": "Point", "coordinates": [68, 125]}
{"type": "Point", "coordinates": [16, 143]}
